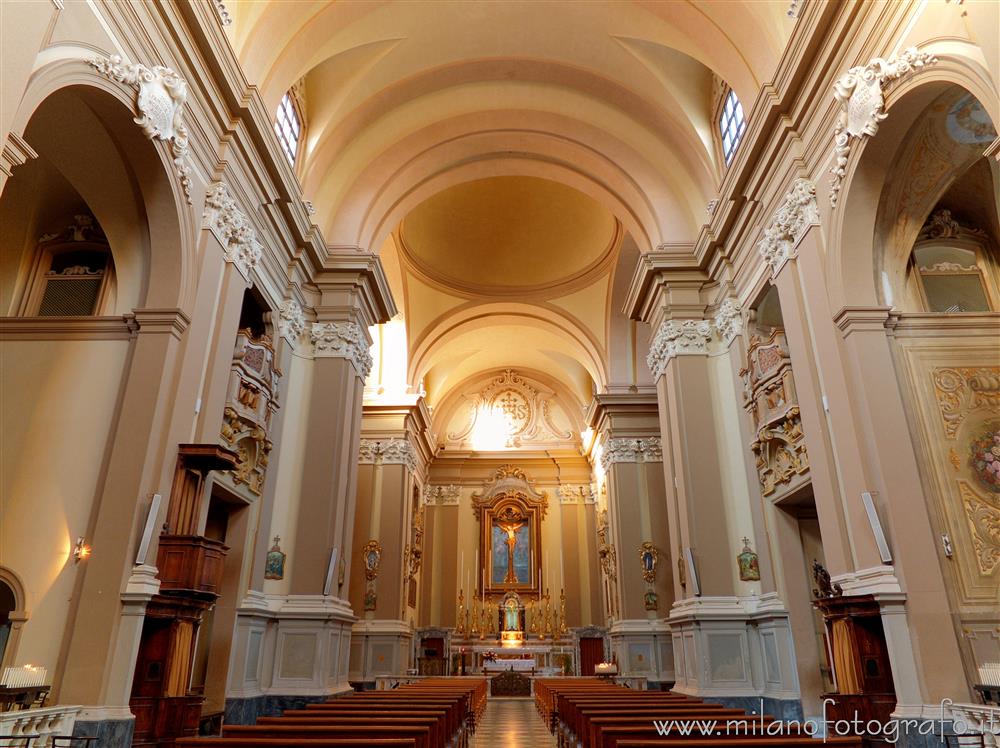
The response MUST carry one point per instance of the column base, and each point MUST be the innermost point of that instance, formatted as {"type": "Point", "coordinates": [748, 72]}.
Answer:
{"type": "Point", "coordinates": [643, 649]}
{"type": "Point", "coordinates": [112, 726]}
{"type": "Point", "coordinates": [379, 648]}
{"type": "Point", "coordinates": [736, 651]}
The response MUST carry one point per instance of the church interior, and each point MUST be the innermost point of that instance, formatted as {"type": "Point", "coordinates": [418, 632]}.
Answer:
{"type": "Point", "coordinates": [499, 372]}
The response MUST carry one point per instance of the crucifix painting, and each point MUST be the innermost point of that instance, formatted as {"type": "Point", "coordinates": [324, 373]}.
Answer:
{"type": "Point", "coordinates": [511, 552]}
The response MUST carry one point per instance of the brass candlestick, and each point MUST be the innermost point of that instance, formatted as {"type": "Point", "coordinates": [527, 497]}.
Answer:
{"type": "Point", "coordinates": [563, 629]}
{"type": "Point", "coordinates": [548, 614]}
{"type": "Point", "coordinates": [475, 620]}
{"type": "Point", "coordinates": [461, 625]}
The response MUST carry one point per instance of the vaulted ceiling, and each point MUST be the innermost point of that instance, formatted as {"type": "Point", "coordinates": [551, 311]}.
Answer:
{"type": "Point", "coordinates": [510, 158]}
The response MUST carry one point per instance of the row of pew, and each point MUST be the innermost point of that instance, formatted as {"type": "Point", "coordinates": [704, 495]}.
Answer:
{"type": "Point", "coordinates": [434, 713]}
{"type": "Point", "coordinates": [592, 713]}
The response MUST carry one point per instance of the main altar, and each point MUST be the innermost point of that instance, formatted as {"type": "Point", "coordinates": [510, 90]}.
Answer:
{"type": "Point", "coordinates": [511, 622]}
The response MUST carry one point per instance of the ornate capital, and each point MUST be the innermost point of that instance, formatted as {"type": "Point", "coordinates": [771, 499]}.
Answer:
{"type": "Point", "coordinates": [687, 337]}
{"type": "Point", "coordinates": [160, 101]}
{"type": "Point", "coordinates": [790, 222]}
{"type": "Point", "coordinates": [441, 495]}
{"type": "Point", "coordinates": [576, 494]}
{"type": "Point", "coordinates": [291, 320]}
{"type": "Point", "coordinates": [862, 105]}
{"type": "Point", "coordinates": [631, 450]}
{"type": "Point", "coordinates": [342, 340]}
{"type": "Point", "coordinates": [233, 227]}
{"type": "Point", "coordinates": [729, 320]}
{"type": "Point", "coordinates": [387, 452]}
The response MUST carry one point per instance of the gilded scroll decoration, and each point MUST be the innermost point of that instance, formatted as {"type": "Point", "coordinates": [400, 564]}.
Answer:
{"type": "Point", "coordinates": [961, 390]}
{"type": "Point", "coordinates": [772, 401]}
{"type": "Point", "coordinates": [983, 518]}
{"type": "Point", "coordinates": [250, 402]}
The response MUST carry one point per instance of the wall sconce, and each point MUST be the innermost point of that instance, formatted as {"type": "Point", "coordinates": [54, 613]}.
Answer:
{"type": "Point", "coordinates": [81, 551]}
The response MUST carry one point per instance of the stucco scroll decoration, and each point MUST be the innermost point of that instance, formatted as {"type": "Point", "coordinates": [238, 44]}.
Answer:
{"type": "Point", "coordinates": [791, 220]}
{"type": "Point", "coordinates": [576, 494]}
{"type": "Point", "coordinates": [962, 390]}
{"type": "Point", "coordinates": [233, 227]}
{"type": "Point", "coordinates": [291, 320]}
{"type": "Point", "coordinates": [387, 452]}
{"type": "Point", "coordinates": [631, 450]}
{"type": "Point", "coordinates": [729, 320]}
{"type": "Point", "coordinates": [160, 100]}
{"type": "Point", "coordinates": [677, 338]}
{"type": "Point", "coordinates": [441, 495]}
{"type": "Point", "coordinates": [510, 480]}
{"type": "Point", "coordinates": [862, 104]}
{"type": "Point", "coordinates": [983, 517]}
{"type": "Point", "coordinates": [342, 340]}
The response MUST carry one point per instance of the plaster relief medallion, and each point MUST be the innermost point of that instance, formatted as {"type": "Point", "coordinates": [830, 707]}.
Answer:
{"type": "Point", "coordinates": [274, 564]}
{"type": "Point", "coordinates": [984, 457]}
{"type": "Point", "coordinates": [749, 563]}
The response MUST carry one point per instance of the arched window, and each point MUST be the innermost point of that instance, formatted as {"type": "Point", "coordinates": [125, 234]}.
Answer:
{"type": "Point", "coordinates": [72, 274]}
{"type": "Point", "coordinates": [949, 261]}
{"type": "Point", "coordinates": [288, 125]}
{"type": "Point", "coordinates": [731, 125]}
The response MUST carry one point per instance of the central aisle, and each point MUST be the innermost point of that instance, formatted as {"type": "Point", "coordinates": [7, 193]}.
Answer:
{"type": "Point", "coordinates": [511, 723]}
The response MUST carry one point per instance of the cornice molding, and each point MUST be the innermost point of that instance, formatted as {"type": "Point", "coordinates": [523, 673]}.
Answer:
{"type": "Point", "coordinates": [582, 493]}
{"type": "Point", "coordinates": [616, 451]}
{"type": "Point", "coordinates": [689, 337]}
{"type": "Point", "coordinates": [862, 105]}
{"type": "Point", "coordinates": [393, 451]}
{"type": "Point", "coordinates": [233, 229]}
{"type": "Point", "coordinates": [16, 152]}
{"type": "Point", "coordinates": [68, 328]}
{"type": "Point", "coordinates": [789, 224]}
{"type": "Point", "coordinates": [342, 340]}
{"type": "Point", "coordinates": [161, 94]}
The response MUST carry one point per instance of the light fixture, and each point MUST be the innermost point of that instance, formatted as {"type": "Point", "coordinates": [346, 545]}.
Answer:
{"type": "Point", "coordinates": [81, 551]}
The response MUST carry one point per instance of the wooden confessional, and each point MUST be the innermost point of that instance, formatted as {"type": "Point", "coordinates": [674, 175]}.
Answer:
{"type": "Point", "coordinates": [856, 644]}
{"type": "Point", "coordinates": [190, 571]}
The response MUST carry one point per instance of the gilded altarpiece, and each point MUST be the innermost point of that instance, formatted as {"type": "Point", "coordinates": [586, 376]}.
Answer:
{"type": "Point", "coordinates": [957, 392]}
{"type": "Point", "coordinates": [510, 513]}
{"type": "Point", "coordinates": [778, 446]}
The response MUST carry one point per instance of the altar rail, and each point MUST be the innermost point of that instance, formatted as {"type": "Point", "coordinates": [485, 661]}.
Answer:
{"type": "Point", "coordinates": [981, 724]}
{"type": "Point", "coordinates": [45, 722]}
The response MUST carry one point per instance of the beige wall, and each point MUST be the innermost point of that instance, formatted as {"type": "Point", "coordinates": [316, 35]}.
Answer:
{"type": "Point", "coordinates": [60, 399]}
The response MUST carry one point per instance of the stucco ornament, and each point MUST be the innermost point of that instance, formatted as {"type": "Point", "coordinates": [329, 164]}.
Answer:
{"type": "Point", "coordinates": [676, 338]}
{"type": "Point", "coordinates": [796, 214]}
{"type": "Point", "coordinates": [631, 450]}
{"type": "Point", "coordinates": [291, 320]}
{"type": "Point", "coordinates": [160, 100]}
{"type": "Point", "coordinates": [729, 320]}
{"type": "Point", "coordinates": [862, 104]}
{"type": "Point", "coordinates": [387, 452]}
{"type": "Point", "coordinates": [237, 234]}
{"type": "Point", "coordinates": [342, 340]}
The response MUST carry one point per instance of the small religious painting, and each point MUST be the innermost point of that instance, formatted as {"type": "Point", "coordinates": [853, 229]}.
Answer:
{"type": "Point", "coordinates": [748, 563]}
{"type": "Point", "coordinates": [274, 564]}
{"type": "Point", "coordinates": [411, 597]}
{"type": "Point", "coordinates": [370, 598]}
{"type": "Point", "coordinates": [372, 554]}
{"type": "Point", "coordinates": [648, 558]}
{"type": "Point", "coordinates": [651, 600]}
{"type": "Point", "coordinates": [984, 457]}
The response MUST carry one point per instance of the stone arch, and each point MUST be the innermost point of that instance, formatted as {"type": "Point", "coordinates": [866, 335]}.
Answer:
{"type": "Point", "coordinates": [853, 265]}
{"type": "Point", "coordinates": [148, 193]}
{"type": "Point", "coordinates": [16, 617]}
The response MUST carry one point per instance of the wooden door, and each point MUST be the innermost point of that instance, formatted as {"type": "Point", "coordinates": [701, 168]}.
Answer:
{"type": "Point", "coordinates": [591, 654]}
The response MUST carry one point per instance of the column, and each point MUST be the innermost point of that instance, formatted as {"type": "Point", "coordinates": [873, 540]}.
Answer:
{"type": "Point", "coordinates": [633, 510]}
{"type": "Point", "coordinates": [389, 521]}
{"type": "Point", "coordinates": [314, 622]}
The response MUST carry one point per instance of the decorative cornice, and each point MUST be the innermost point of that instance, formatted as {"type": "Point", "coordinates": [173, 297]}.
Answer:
{"type": "Point", "coordinates": [220, 9]}
{"type": "Point", "coordinates": [291, 320]}
{"type": "Point", "coordinates": [791, 220]}
{"type": "Point", "coordinates": [342, 340]}
{"type": "Point", "coordinates": [729, 320]}
{"type": "Point", "coordinates": [576, 494]}
{"type": "Point", "coordinates": [387, 452]}
{"type": "Point", "coordinates": [675, 338]}
{"type": "Point", "coordinates": [862, 105]}
{"type": "Point", "coordinates": [441, 495]}
{"type": "Point", "coordinates": [631, 450]}
{"type": "Point", "coordinates": [68, 328]}
{"type": "Point", "coordinates": [16, 151]}
{"type": "Point", "coordinates": [160, 101]}
{"type": "Point", "coordinates": [233, 227]}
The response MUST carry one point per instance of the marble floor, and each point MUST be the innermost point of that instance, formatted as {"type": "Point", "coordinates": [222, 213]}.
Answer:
{"type": "Point", "coordinates": [511, 723]}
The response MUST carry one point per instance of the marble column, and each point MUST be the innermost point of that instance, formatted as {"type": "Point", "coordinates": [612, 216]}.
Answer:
{"type": "Point", "coordinates": [632, 508]}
